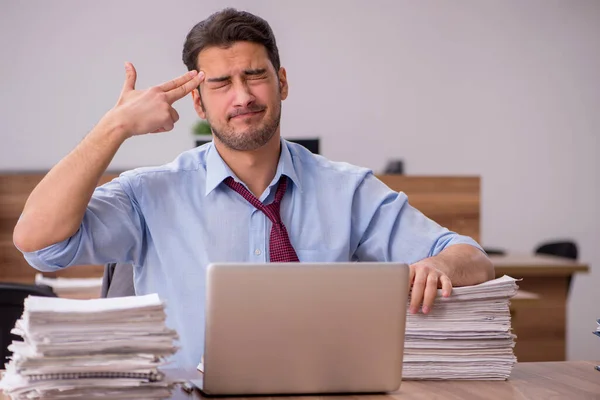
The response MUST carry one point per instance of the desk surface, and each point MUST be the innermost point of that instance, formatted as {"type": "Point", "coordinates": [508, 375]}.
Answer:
{"type": "Point", "coordinates": [538, 265]}
{"type": "Point", "coordinates": [549, 380]}
{"type": "Point", "coordinates": [534, 380]}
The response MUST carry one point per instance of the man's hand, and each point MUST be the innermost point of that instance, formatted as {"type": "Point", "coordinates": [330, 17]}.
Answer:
{"type": "Point", "coordinates": [150, 111]}
{"type": "Point", "coordinates": [425, 279]}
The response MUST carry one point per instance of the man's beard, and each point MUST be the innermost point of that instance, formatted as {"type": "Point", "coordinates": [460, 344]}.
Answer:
{"type": "Point", "coordinates": [251, 139]}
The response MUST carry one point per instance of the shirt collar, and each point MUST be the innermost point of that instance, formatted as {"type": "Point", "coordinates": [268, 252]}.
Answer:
{"type": "Point", "coordinates": [217, 170]}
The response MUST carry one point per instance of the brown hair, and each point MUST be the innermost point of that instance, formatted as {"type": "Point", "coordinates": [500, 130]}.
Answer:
{"type": "Point", "coordinates": [223, 29]}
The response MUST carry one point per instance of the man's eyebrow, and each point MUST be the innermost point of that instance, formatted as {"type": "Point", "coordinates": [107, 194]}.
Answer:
{"type": "Point", "coordinates": [251, 72]}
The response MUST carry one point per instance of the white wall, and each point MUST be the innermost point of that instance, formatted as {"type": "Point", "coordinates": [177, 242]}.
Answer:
{"type": "Point", "coordinates": [508, 90]}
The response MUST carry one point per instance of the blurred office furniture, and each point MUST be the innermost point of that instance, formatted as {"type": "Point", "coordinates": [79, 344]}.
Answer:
{"type": "Point", "coordinates": [117, 280]}
{"type": "Point", "coordinates": [451, 201]}
{"type": "Point", "coordinates": [566, 249]}
{"type": "Point", "coordinates": [15, 187]}
{"type": "Point", "coordinates": [71, 288]}
{"type": "Point", "coordinates": [540, 326]}
{"type": "Point", "coordinates": [491, 251]}
{"type": "Point", "coordinates": [394, 167]}
{"type": "Point", "coordinates": [312, 144]}
{"type": "Point", "coordinates": [12, 298]}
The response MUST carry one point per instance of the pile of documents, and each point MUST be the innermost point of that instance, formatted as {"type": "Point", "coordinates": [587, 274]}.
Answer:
{"type": "Point", "coordinates": [465, 336]}
{"type": "Point", "coordinates": [72, 287]}
{"type": "Point", "coordinates": [101, 348]}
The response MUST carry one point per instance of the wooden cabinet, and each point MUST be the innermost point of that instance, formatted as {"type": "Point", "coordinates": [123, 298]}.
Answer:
{"type": "Point", "coordinates": [14, 190]}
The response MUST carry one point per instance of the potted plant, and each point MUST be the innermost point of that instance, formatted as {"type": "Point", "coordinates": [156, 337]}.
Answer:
{"type": "Point", "coordinates": [202, 131]}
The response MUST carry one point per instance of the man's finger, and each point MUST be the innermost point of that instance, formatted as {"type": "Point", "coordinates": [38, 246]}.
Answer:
{"type": "Point", "coordinates": [166, 128]}
{"type": "Point", "coordinates": [169, 126]}
{"type": "Point", "coordinates": [174, 114]}
{"type": "Point", "coordinates": [183, 90]}
{"type": "Point", "coordinates": [417, 290]}
{"type": "Point", "coordinates": [175, 83]}
{"type": "Point", "coordinates": [430, 291]}
{"type": "Point", "coordinates": [130, 77]}
{"type": "Point", "coordinates": [446, 285]}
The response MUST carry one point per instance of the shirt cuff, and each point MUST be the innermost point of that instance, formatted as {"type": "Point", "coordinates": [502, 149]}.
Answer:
{"type": "Point", "coordinates": [54, 257]}
{"type": "Point", "coordinates": [452, 238]}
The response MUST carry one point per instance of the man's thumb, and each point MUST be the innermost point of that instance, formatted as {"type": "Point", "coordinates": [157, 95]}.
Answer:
{"type": "Point", "coordinates": [130, 77]}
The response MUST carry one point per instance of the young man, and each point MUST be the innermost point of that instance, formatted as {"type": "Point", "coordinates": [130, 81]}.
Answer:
{"type": "Point", "coordinates": [247, 197]}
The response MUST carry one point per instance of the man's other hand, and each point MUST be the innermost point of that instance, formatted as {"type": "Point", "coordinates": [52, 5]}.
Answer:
{"type": "Point", "coordinates": [425, 279]}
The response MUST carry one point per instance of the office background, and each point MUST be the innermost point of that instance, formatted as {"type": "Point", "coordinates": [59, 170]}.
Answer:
{"type": "Point", "coordinates": [508, 90]}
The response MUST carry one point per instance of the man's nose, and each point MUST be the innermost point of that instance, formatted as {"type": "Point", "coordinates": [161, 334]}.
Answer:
{"type": "Point", "coordinates": [243, 95]}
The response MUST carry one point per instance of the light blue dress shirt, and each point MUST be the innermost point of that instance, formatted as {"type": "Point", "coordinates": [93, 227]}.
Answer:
{"type": "Point", "coordinates": [171, 221]}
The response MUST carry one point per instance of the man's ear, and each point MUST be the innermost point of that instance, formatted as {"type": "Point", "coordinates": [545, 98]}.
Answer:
{"type": "Point", "coordinates": [283, 83]}
{"type": "Point", "coordinates": [198, 106]}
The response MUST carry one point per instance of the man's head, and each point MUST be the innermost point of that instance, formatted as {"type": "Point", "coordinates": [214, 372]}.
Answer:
{"type": "Point", "coordinates": [244, 83]}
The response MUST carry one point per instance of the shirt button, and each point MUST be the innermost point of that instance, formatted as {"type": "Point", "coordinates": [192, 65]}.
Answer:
{"type": "Point", "coordinates": [257, 252]}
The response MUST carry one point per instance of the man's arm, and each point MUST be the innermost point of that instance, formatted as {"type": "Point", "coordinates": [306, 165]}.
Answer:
{"type": "Point", "coordinates": [56, 207]}
{"type": "Point", "coordinates": [388, 228]}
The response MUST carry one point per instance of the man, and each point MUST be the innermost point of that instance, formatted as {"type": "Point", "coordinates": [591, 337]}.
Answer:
{"type": "Point", "coordinates": [247, 197]}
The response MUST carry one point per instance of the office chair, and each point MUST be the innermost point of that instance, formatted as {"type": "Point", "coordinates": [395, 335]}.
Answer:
{"type": "Point", "coordinates": [12, 299]}
{"type": "Point", "coordinates": [567, 249]}
{"type": "Point", "coordinates": [117, 280]}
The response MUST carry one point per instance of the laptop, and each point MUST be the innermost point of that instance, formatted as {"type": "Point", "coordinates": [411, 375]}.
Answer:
{"type": "Point", "coordinates": [304, 328]}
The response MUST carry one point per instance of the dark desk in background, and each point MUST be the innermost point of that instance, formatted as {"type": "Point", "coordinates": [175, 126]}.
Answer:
{"type": "Point", "coordinates": [540, 325]}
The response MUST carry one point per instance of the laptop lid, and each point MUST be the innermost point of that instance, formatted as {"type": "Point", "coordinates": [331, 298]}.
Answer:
{"type": "Point", "coordinates": [304, 328]}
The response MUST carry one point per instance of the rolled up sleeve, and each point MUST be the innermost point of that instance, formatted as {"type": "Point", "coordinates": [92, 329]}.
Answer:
{"type": "Point", "coordinates": [111, 231]}
{"type": "Point", "coordinates": [389, 228]}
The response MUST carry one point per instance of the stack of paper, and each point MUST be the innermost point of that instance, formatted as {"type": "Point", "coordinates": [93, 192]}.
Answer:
{"type": "Point", "coordinates": [69, 284]}
{"type": "Point", "coordinates": [73, 288]}
{"type": "Point", "coordinates": [465, 336]}
{"type": "Point", "coordinates": [99, 348]}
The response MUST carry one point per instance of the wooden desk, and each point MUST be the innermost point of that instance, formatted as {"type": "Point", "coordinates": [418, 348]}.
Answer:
{"type": "Point", "coordinates": [540, 326]}
{"type": "Point", "coordinates": [536, 266]}
{"type": "Point", "coordinates": [546, 380]}
{"type": "Point", "coordinates": [552, 380]}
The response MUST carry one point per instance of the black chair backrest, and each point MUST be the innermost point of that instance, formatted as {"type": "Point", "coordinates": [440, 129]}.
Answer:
{"type": "Point", "coordinates": [565, 249]}
{"type": "Point", "coordinates": [12, 299]}
{"type": "Point", "coordinates": [117, 280]}
{"type": "Point", "coordinates": [494, 252]}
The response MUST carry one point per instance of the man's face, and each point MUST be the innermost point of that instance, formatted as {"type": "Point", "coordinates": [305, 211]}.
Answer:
{"type": "Point", "coordinates": [241, 94]}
